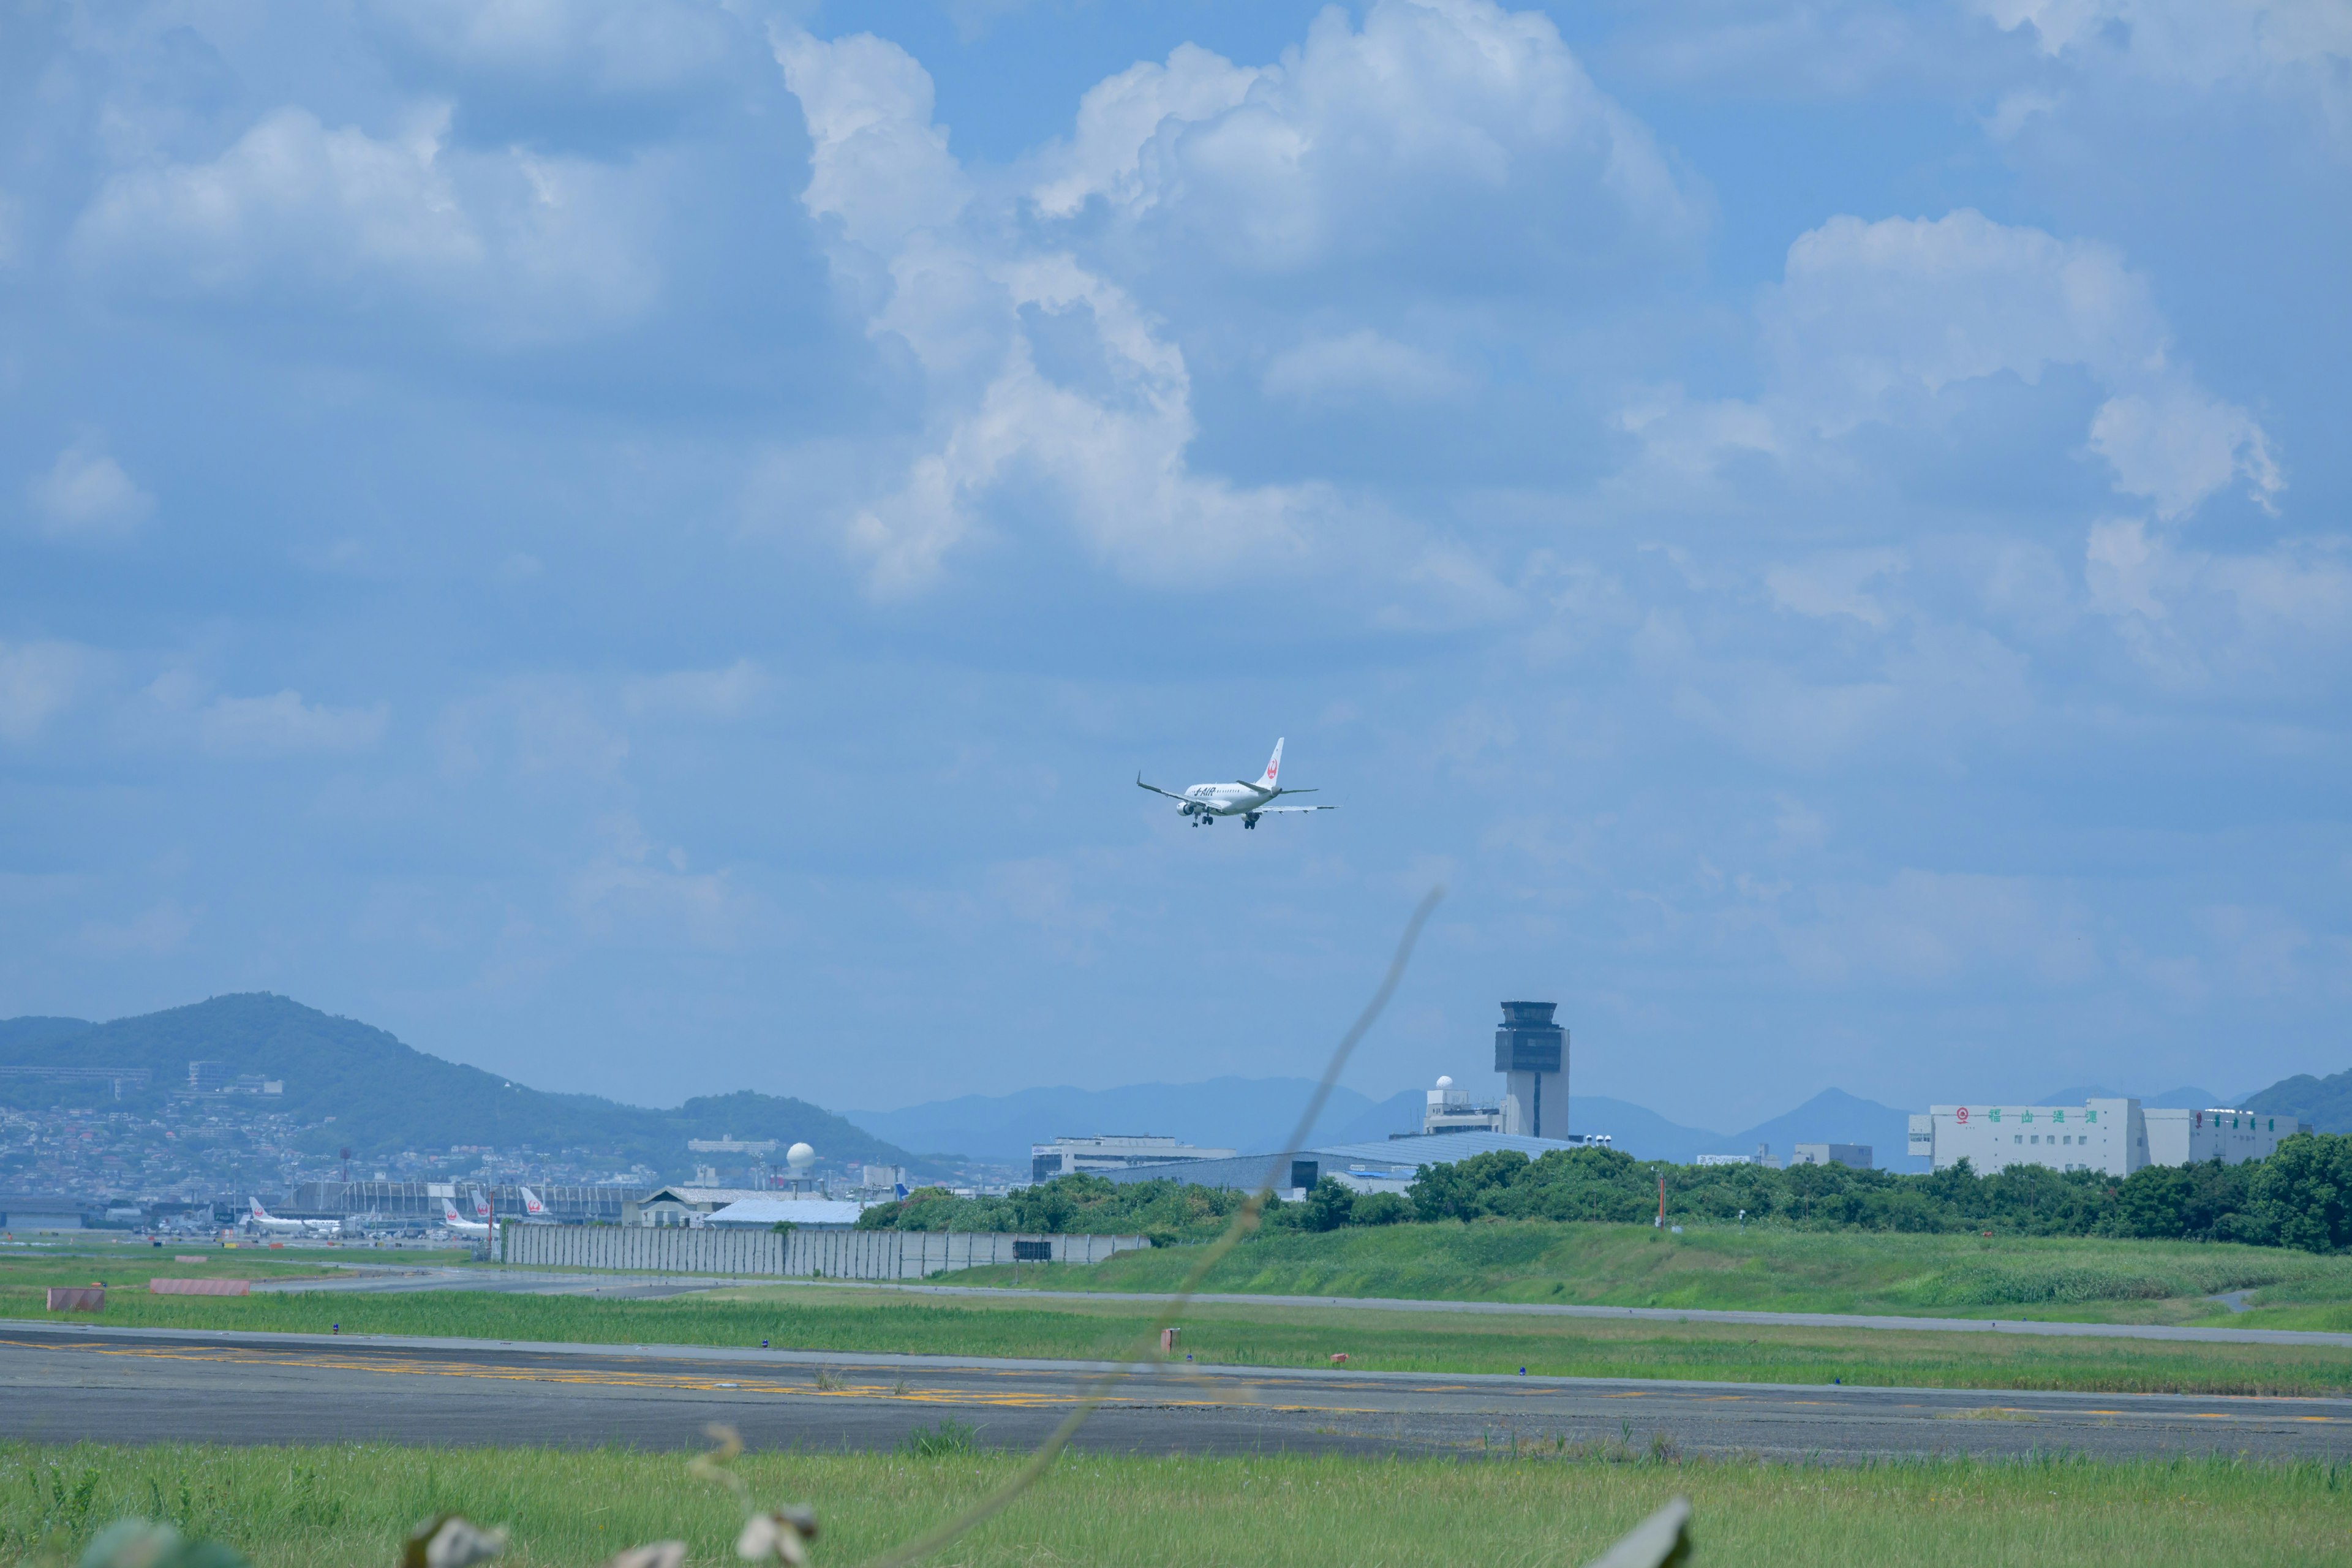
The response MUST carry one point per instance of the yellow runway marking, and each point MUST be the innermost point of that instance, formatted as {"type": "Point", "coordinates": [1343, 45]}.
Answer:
{"type": "Point", "coordinates": [997, 1398]}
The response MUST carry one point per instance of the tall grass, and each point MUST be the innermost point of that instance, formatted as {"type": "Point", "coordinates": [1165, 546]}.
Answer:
{"type": "Point", "coordinates": [1251, 1334]}
{"type": "Point", "coordinates": [1726, 1267]}
{"type": "Point", "coordinates": [329, 1507]}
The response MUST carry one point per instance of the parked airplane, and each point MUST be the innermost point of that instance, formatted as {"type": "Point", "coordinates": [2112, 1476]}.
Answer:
{"type": "Point", "coordinates": [450, 1222]}
{"type": "Point", "coordinates": [1204, 803]}
{"type": "Point", "coordinates": [534, 1211]}
{"type": "Point", "coordinates": [262, 1219]}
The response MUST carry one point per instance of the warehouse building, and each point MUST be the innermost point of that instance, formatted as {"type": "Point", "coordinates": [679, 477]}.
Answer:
{"type": "Point", "coordinates": [1387, 1166]}
{"type": "Point", "coordinates": [2114, 1136]}
{"type": "Point", "coordinates": [1102, 1155]}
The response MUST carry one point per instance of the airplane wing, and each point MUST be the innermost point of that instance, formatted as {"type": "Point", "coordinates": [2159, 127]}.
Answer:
{"type": "Point", "coordinates": [1155, 789]}
{"type": "Point", "coordinates": [1270, 810]}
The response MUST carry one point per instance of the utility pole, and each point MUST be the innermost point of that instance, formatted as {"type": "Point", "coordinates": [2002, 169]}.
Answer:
{"type": "Point", "coordinates": [1662, 1200]}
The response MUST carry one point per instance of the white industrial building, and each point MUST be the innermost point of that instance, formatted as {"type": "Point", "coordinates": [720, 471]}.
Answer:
{"type": "Point", "coordinates": [1452, 1109]}
{"type": "Point", "coordinates": [1855, 1156]}
{"type": "Point", "coordinates": [1102, 1155]}
{"type": "Point", "coordinates": [2114, 1136]}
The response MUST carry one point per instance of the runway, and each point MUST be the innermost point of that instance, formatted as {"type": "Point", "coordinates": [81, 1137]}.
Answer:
{"type": "Point", "coordinates": [63, 1382]}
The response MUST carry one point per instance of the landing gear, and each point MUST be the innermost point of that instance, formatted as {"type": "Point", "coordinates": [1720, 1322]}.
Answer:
{"type": "Point", "coordinates": [1249, 819]}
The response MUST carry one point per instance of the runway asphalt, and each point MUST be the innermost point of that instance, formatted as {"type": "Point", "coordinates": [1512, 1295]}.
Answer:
{"type": "Point", "coordinates": [64, 1382]}
{"type": "Point", "coordinates": [582, 1283]}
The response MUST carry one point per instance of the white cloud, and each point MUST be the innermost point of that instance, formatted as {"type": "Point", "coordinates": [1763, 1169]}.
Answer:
{"type": "Point", "coordinates": [284, 722]}
{"type": "Point", "coordinates": [524, 248]}
{"type": "Point", "coordinates": [879, 167]}
{"type": "Point", "coordinates": [1044, 377]}
{"type": "Point", "coordinates": [2175, 446]}
{"type": "Point", "coordinates": [2197, 43]}
{"type": "Point", "coordinates": [2283, 50]}
{"type": "Point", "coordinates": [38, 680]}
{"type": "Point", "coordinates": [1877, 321]}
{"type": "Point", "coordinates": [725, 693]}
{"type": "Point", "coordinates": [86, 494]}
{"type": "Point", "coordinates": [1120, 114]}
{"type": "Point", "coordinates": [621, 893]}
{"type": "Point", "coordinates": [2273, 623]}
{"type": "Point", "coordinates": [1380, 145]}
{"type": "Point", "coordinates": [1835, 584]}
{"type": "Point", "coordinates": [1360, 366]}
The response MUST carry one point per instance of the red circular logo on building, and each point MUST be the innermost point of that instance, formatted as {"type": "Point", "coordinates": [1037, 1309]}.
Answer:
{"type": "Point", "coordinates": [1963, 1115]}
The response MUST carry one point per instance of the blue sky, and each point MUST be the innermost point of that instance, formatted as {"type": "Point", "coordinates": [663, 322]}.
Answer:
{"type": "Point", "coordinates": [642, 545]}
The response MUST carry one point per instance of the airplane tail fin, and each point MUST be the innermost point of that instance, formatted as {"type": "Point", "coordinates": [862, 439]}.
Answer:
{"type": "Point", "coordinates": [259, 1212]}
{"type": "Point", "coordinates": [448, 1211]}
{"type": "Point", "coordinates": [1273, 767]}
{"type": "Point", "coordinates": [530, 1204]}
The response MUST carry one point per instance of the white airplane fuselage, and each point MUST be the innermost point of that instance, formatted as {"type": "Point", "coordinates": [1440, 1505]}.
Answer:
{"type": "Point", "coordinates": [1204, 803]}
{"type": "Point", "coordinates": [1223, 799]}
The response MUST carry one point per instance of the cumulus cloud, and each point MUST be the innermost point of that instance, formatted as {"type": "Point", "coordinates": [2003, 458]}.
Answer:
{"type": "Point", "coordinates": [1045, 377]}
{"type": "Point", "coordinates": [38, 680]}
{"type": "Point", "coordinates": [283, 724]}
{"type": "Point", "coordinates": [2278, 620]}
{"type": "Point", "coordinates": [1379, 146]}
{"type": "Point", "coordinates": [1877, 321]}
{"type": "Point", "coordinates": [85, 494]}
{"type": "Point", "coordinates": [524, 248]}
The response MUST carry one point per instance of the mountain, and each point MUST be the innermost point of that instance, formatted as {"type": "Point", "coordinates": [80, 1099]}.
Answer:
{"type": "Point", "coordinates": [384, 1097]}
{"type": "Point", "coordinates": [1400, 1113]}
{"type": "Point", "coordinates": [1253, 1115]}
{"type": "Point", "coordinates": [2324, 1102]}
{"type": "Point", "coordinates": [1834, 1116]}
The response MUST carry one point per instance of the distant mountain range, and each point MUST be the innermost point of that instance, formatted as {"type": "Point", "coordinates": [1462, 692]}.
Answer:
{"type": "Point", "coordinates": [2324, 1102]}
{"type": "Point", "coordinates": [1258, 1116]}
{"type": "Point", "coordinates": [386, 1097]}
{"type": "Point", "coordinates": [1251, 1114]}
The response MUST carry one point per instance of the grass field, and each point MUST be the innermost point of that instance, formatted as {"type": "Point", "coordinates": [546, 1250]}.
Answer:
{"type": "Point", "coordinates": [2066, 1279]}
{"type": "Point", "coordinates": [350, 1505]}
{"type": "Point", "coordinates": [844, 1318]}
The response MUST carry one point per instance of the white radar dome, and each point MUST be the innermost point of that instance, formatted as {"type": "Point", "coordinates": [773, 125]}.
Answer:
{"type": "Point", "coordinates": [799, 1156]}
{"type": "Point", "coordinates": [1444, 1082]}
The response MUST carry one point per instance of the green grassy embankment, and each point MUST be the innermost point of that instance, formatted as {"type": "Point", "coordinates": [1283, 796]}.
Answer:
{"type": "Point", "coordinates": [1757, 1269]}
{"type": "Point", "coordinates": [348, 1506]}
{"type": "Point", "coordinates": [879, 1321]}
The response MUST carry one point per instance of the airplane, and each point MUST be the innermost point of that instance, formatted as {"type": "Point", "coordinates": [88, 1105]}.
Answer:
{"type": "Point", "coordinates": [1204, 803]}
{"type": "Point", "coordinates": [534, 1211]}
{"type": "Point", "coordinates": [450, 1222]}
{"type": "Point", "coordinates": [262, 1219]}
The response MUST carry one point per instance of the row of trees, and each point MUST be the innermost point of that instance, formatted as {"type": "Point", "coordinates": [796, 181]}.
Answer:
{"type": "Point", "coordinates": [2301, 1196]}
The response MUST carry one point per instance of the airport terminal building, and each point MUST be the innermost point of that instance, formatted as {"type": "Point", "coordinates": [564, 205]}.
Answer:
{"type": "Point", "coordinates": [2113, 1136]}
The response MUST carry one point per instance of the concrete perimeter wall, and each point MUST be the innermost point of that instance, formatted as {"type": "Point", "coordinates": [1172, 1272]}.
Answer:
{"type": "Point", "coordinates": [830, 1254]}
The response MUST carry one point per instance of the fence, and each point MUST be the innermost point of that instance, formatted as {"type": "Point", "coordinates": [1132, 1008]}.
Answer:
{"type": "Point", "coordinates": [828, 1254]}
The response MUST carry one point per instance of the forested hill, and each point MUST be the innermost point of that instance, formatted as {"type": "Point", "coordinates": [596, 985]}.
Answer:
{"type": "Point", "coordinates": [2324, 1102]}
{"type": "Point", "coordinates": [386, 1097]}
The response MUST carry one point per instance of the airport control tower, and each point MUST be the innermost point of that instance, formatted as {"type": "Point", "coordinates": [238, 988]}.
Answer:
{"type": "Point", "coordinates": [1531, 1053]}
